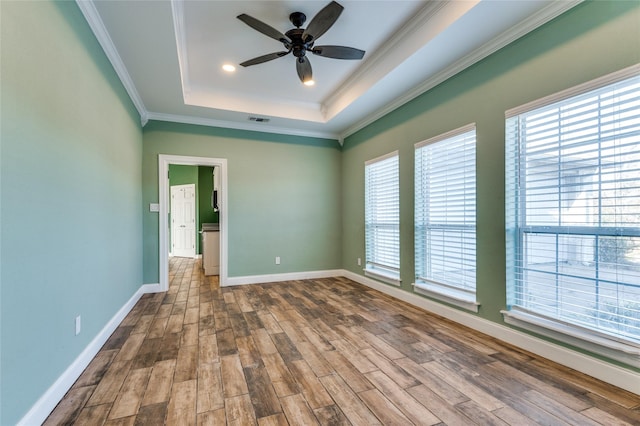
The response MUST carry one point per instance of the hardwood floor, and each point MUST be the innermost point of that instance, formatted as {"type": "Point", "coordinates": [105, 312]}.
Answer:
{"type": "Point", "coordinates": [326, 351]}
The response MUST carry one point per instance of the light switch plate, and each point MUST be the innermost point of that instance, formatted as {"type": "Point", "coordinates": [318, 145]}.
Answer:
{"type": "Point", "coordinates": [154, 207]}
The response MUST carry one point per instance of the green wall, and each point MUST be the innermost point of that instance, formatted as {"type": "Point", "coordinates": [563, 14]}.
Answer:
{"type": "Point", "coordinates": [77, 171]}
{"type": "Point", "coordinates": [71, 222]}
{"type": "Point", "coordinates": [205, 186]}
{"type": "Point", "coordinates": [182, 175]}
{"type": "Point", "coordinates": [283, 196]}
{"type": "Point", "coordinates": [591, 40]}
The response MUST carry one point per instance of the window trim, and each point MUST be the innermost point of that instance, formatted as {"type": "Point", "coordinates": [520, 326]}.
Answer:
{"type": "Point", "coordinates": [450, 134]}
{"type": "Point", "coordinates": [391, 154]}
{"type": "Point", "coordinates": [383, 274]}
{"type": "Point", "coordinates": [442, 292]}
{"type": "Point", "coordinates": [580, 337]}
{"type": "Point", "coordinates": [595, 341]}
{"type": "Point", "coordinates": [578, 90]}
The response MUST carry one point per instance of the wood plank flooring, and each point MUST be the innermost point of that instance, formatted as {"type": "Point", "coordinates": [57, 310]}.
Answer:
{"type": "Point", "coordinates": [326, 351]}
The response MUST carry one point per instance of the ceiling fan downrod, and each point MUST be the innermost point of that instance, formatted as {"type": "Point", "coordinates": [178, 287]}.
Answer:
{"type": "Point", "coordinates": [298, 19]}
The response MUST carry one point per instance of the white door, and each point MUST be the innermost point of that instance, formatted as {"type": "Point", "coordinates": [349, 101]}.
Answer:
{"type": "Point", "coordinates": [183, 220]}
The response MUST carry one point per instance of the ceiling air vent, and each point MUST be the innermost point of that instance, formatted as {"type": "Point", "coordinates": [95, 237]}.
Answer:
{"type": "Point", "coordinates": [259, 119]}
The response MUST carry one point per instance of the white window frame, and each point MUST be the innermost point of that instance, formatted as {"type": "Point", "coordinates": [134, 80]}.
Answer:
{"type": "Point", "coordinates": [613, 346]}
{"type": "Point", "coordinates": [436, 189]}
{"type": "Point", "coordinates": [382, 239]}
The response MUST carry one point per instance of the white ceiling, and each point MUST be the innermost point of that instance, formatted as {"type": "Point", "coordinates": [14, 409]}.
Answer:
{"type": "Point", "coordinates": [169, 56]}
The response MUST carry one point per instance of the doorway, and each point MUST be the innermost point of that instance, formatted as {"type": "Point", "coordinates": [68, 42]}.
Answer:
{"type": "Point", "coordinates": [163, 185]}
{"type": "Point", "coordinates": [183, 220]}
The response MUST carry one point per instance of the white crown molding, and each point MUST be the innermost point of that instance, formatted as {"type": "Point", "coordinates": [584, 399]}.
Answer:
{"type": "Point", "coordinates": [48, 401]}
{"type": "Point", "coordinates": [88, 9]}
{"type": "Point", "coordinates": [379, 59]}
{"type": "Point", "coordinates": [346, 90]}
{"type": "Point", "coordinates": [177, 12]}
{"type": "Point", "coordinates": [234, 102]}
{"type": "Point", "coordinates": [240, 126]}
{"type": "Point", "coordinates": [553, 10]}
{"type": "Point", "coordinates": [220, 99]}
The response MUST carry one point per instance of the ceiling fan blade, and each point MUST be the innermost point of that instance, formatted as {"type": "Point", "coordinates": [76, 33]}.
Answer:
{"type": "Point", "coordinates": [264, 58]}
{"type": "Point", "coordinates": [265, 29]}
{"type": "Point", "coordinates": [303, 66]}
{"type": "Point", "coordinates": [338, 52]}
{"type": "Point", "coordinates": [322, 21]}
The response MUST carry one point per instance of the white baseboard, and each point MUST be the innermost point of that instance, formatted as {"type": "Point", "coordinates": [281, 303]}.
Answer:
{"type": "Point", "coordinates": [289, 276]}
{"type": "Point", "coordinates": [617, 376]}
{"type": "Point", "coordinates": [48, 401]}
{"type": "Point", "coordinates": [147, 288]}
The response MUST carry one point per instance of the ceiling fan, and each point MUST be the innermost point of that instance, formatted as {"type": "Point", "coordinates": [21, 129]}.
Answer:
{"type": "Point", "coordinates": [300, 41]}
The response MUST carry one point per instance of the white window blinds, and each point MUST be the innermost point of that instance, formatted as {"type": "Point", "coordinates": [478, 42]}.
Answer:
{"type": "Point", "coordinates": [573, 210]}
{"type": "Point", "coordinates": [445, 211]}
{"type": "Point", "coordinates": [382, 215]}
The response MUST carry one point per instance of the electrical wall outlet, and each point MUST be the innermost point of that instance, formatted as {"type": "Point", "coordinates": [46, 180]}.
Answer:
{"type": "Point", "coordinates": [359, 262]}
{"type": "Point", "coordinates": [277, 260]}
{"type": "Point", "coordinates": [78, 325]}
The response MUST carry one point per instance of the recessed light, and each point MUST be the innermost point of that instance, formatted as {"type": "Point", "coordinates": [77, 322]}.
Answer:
{"type": "Point", "coordinates": [309, 83]}
{"type": "Point", "coordinates": [228, 68]}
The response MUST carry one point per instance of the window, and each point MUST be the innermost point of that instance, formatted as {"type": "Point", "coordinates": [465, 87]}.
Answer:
{"type": "Point", "coordinates": [573, 212]}
{"type": "Point", "coordinates": [445, 217]}
{"type": "Point", "coordinates": [382, 218]}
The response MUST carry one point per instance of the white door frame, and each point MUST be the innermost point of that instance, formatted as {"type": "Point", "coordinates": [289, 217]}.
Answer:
{"type": "Point", "coordinates": [163, 196]}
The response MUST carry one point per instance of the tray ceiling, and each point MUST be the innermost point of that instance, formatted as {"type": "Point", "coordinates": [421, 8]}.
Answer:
{"type": "Point", "coordinates": [169, 56]}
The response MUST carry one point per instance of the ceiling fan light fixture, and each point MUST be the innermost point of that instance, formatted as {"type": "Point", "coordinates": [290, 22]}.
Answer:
{"type": "Point", "coordinates": [299, 40]}
{"type": "Point", "coordinates": [228, 68]}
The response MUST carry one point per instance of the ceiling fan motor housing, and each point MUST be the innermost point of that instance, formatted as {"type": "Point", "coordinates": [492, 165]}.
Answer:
{"type": "Point", "coordinates": [298, 46]}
